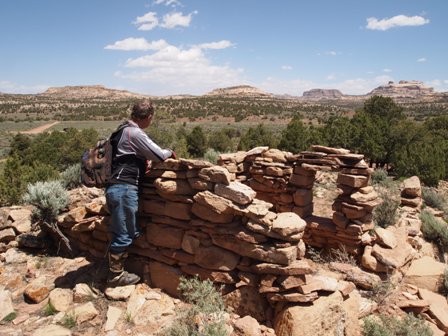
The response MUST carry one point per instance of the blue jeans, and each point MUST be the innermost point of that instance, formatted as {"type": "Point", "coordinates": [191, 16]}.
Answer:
{"type": "Point", "coordinates": [122, 201]}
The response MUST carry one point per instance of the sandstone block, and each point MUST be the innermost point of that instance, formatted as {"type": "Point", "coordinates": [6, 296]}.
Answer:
{"type": "Point", "coordinates": [61, 299]}
{"type": "Point", "coordinates": [302, 181]}
{"type": "Point", "coordinates": [426, 273]}
{"type": "Point", "coordinates": [369, 262]}
{"type": "Point", "coordinates": [215, 276]}
{"type": "Point", "coordinates": [303, 197]}
{"type": "Point", "coordinates": [177, 187]}
{"type": "Point", "coordinates": [304, 211]}
{"type": "Point", "coordinates": [288, 223]}
{"type": "Point", "coordinates": [236, 192]}
{"type": "Point", "coordinates": [325, 317]}
{"type": "Point", "coordinates": [355, 181]}
{"type": "Point", "coordinates": [216, 258]}
{"type": "Point", "coordinates": [216, 203]}
{"type": "Point", "coordinates": [164, 236]}
{"type": "Point", "coordinates": [7, 235]}
{"type": "Point", "coordinates": [438, 307]}
{"type": "Point", "coordinates": [215, 174]}
{"type": "Point", "coordinates": [412, 187]}
{"type": "Point", "coordinates": [5, 303]}
{"type": "Point", "coordinates": [190, 243]}
{"type": "Point", "coordinates": [263, 252]}
{"type": "Point", "coordinates": [385, 237]}
{"type": "Point", "coordinates": [165, 277]}
{"type": "Point", "coordinates": [330, 150]}
{"type": "Point", "coordinates": [197, 183]}
{"type": "Point", "coordinates": [206, 213]}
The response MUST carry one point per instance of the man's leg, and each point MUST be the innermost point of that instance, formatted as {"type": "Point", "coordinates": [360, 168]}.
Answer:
{"type": "Point", "coordinates": [122, 200]}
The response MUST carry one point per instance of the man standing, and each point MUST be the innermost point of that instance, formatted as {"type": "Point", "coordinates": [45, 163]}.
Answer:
{"type": "Point", "coordinates": [132, 148]}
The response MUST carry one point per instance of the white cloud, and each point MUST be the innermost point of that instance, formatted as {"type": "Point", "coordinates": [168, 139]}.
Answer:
{"type": "Point", "coordinates": [331, 77]}
{"type": "Point", "coordinates": [387, 70]}
{"type": "Point", "coordinates": [180, 70]}
{"type": "Point", "coordinates": [175, 19]}
{"type": "Point", "coordinates": [396, 21]}
{"type": "Point", "coordinates": [10, 87]}
{"type": "Point", "coordinates": [286, 67]}
{"type": "Point", "coordinates": [167, 2]}
{"type": "Point", "coordinates": [440, 85]}
{"type": "Point", "coordinates": [132, 43]}
{"type": "Point", "coordinates": [147, 22]}
{"type": "Point", "coordinates": [421, 60]}
{"type": "Point", "coordinates": [216, 45]}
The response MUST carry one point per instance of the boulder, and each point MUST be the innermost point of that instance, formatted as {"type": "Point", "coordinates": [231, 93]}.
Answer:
{"type": "Point", "coordinates": [426, 273]}
{"type": "Point", "coordinates": [61, 299]}
{"type": "Point", "coordinates": [412, 187]}
{"type": "Point", "coordinates": [385, 237]}
{"type": "Point", "coordinates": [438, 307]}
{"type": "Point", "coordinates": [326, 316]}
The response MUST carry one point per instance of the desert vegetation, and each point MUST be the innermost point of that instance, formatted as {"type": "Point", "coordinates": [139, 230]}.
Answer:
{"type": "Point", "coordinates": [380, 130]}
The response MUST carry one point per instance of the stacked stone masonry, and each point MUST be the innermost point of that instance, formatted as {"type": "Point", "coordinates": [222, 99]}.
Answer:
{"type": "Point", "coordinates": [238, 225]}
{"type": "Point", "coordinates": [286, 181]}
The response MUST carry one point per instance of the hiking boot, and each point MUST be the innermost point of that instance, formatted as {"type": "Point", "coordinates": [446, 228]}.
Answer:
{"type": "Point", "coordinates": [122, 279]}
{"type": "Point", "coordinates": [117, 275]}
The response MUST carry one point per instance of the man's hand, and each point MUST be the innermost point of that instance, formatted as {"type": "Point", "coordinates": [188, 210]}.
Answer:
{"type": "Point", "coordinates": [173, 155]}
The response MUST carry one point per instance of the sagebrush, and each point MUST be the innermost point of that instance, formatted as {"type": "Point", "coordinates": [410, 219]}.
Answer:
{"type": "Point", "coordinates": [49, 198]}
{"type": "Point", "coordinates": [206, 314]}
{"type": "Point", "coordinates": [391, 326]}
{"type": "Point", "coordinates": [434, 199]}
{"type": "Point", "coordinates": [386, 213]}
{"type": "Point", "coordinates": [435, 230]}
{"type": "Point", "coordinates": [71, 177]}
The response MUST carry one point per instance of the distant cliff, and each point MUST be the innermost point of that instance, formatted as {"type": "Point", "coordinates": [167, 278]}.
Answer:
{"type": "Point", "coordinates": [404, 89]}
{"type": "Point", "coordinates": [323, 94]}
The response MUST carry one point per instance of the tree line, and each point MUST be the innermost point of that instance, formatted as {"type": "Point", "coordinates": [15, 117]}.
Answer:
{"type": "Point", "coordinates": [379, 130]}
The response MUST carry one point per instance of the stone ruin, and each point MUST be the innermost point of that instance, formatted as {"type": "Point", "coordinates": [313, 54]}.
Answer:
{"type": "Point", "coordinates": [242, 224]}
{"type": "Point", "coordinates": [245, 224]}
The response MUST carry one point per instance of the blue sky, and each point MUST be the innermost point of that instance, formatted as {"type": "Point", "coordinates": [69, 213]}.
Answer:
{"type": "Point", "coordinates": [163, 47]}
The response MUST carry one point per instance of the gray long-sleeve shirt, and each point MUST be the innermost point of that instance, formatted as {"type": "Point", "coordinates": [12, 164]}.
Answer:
{"type": "Point", "coordinates": [132, 147]}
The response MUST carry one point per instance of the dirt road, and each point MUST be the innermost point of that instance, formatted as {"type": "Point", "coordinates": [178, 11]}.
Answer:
{"type": "Point", "coordinates": [40, 129]}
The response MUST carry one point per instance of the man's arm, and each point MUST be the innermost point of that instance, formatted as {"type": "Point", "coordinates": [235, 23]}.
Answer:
{"type": "Point", "coordinates": [147, 148]}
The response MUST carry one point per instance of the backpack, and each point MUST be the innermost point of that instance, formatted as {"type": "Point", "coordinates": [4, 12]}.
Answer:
{"type": "Point", "coordinates": [96, 163]}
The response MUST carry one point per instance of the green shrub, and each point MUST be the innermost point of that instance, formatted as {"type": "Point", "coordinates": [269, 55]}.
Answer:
{"type": "Point", "coordinates": [434, 199]}
{"type": "Point", "coordinates": [10, 317]}
{"type": "Point", "coordinates": [391, 326]}
{"type": "Point", "coordinates": [211, 155]}
{"type": "Point", "coordinates": [379, 176]}
{"type": "Point", "coordinates": [71, 177]}
{"type": "Point", "coordinates": [49, 198]}
{"type": "Point", "coordinates": [205, 317]}
{"type": "Point", "coordinates": [49, 309]}
{"type": "Point", "coordinates": [435, 230]}
{"type": "Point", "coordinates": [68, 321]}
{"type": "Point", "coordinates": [385, 214]}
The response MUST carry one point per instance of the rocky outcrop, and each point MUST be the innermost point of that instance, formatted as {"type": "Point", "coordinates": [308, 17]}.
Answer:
{"type": "Point", "coordinates": [242, 91]}
{"type": "Point", "coordinates": [89, 92]}
{"type": "Point", "coordinates": [404, 89]}
{"type": "Point", "coordinates": [318, 94]}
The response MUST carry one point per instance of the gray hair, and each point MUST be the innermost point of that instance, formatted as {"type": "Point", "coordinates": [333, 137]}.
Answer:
{"type": "Point", "coordinates": [142, 110]}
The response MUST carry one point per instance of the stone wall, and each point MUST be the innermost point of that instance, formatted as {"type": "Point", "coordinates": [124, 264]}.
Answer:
{"type": "Point", "coordinates": [286, 180]}
{"type": "Point", "coordinates": [238, 225]}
